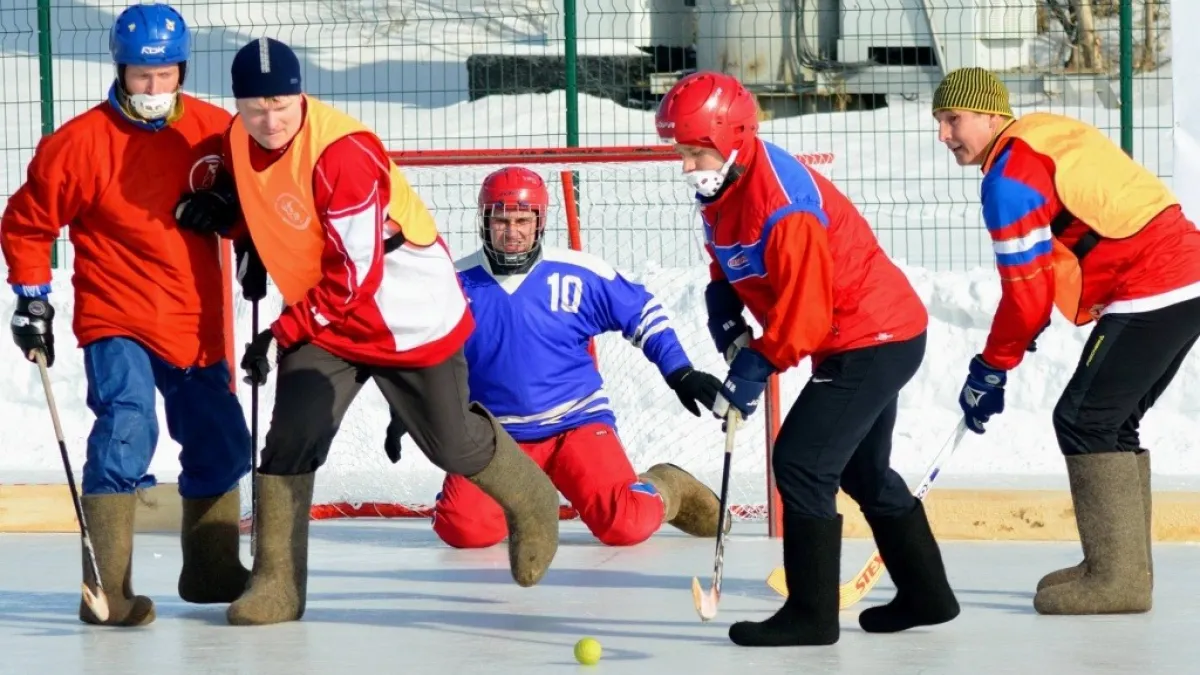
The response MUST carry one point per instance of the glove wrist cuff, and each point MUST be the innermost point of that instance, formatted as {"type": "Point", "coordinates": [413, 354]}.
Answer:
{"type": "Point", "coordinates": [751, 365]}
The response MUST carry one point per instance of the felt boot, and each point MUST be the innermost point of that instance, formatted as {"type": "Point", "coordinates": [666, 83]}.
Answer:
{"type": "Point", "coordinates": [1111, 517]}
{"type": "Point", "coordinates": [110, 523]}
{"type": "Point", "coordinates": [812, 553]}
{"type": "Point", "coordinates": [914, 561]}
{"type": "Point", "coordinates": [529, 501]}
{"type": "Point", "coordinates": [212, 569]}
{"type": "Point", "coordinates": [689, 505]}
{"type": "Point", "coordinates": [278, 588]}
{"type": "Point", "coordinates": [1073, 573]}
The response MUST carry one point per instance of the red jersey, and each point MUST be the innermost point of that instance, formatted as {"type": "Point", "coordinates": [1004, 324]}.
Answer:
{"type": "Point", "coordinates": [137, 274]}
{"type": "Point", "coordinates": [805, 263]}
{"type": "Point", "coordinates": [1157, 267]}
{"type": "Point", "coordinates": [405, 308]}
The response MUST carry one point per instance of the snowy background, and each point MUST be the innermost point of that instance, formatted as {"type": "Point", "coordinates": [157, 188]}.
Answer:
{"type": "Point", "coordinates": [637, 216]}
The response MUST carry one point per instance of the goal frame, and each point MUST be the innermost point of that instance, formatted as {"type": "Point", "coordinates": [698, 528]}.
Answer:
{"type": "Point", "coordinates": [773, 412]}
{"type": "Point", "coordinates": [608, 155]}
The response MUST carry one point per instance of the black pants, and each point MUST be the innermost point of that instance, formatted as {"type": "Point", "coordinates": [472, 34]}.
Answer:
{"type": "Point", "coordinates": [315, 388]}
{"type": "Point", "coordinates": [839, 432]}
{"type": "Point", "coordinates": [1126, 364]}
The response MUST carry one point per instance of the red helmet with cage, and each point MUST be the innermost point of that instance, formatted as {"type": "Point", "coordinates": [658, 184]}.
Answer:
{"type": "Point", "coordinates": [708, 109]}
{"type": "Point", "coordinates": [512, 188]}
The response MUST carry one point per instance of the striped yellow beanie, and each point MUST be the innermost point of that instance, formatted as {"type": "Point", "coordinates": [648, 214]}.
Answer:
{"type": "Point", "coordinates": [975, 89]}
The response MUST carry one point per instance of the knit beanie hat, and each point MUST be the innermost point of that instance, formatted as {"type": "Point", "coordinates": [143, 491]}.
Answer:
{"type": "Point", "coordinates": [974, 89]}
{"type": "Point", "coordinates": [265, 68]}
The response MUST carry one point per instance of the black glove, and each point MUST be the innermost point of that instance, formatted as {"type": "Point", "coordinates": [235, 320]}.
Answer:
{"type": "Point", "coordinates": [261, 355]}
{"type": "Point", "coordinates": [251, 273]}
{"type": "Point", "coordinates": [212, 210]}
{"type": "Point", "coordinates": [33, 327]}
{"type": "Point", "coordinates": [692, 386]}
{"type": "Point", "coordinates": [395, 431]}
{"type": "Point", "coordinates": [1033, 343]}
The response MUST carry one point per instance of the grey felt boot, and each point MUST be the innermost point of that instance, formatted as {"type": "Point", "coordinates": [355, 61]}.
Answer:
{"type": "Point", "coordinates": [1111, 517]}
{"type": "Point", "coordinates": [278, 588]}
{"type": "Point", "coordinates": [110, 521]}
{"type": "Point", "coordinates": [690, 505]}
{"type": "Point", "coordinates": [529, 501]}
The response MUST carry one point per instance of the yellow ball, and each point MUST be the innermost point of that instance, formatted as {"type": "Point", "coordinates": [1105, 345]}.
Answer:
{"type": "Point", "coordinates": [587, 651]}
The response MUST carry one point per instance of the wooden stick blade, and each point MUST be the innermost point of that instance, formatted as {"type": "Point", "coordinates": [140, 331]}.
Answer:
{"type": "Point", "coordinates": [97, 602]}
{"type": "Point", "coordinates": [706, 602]}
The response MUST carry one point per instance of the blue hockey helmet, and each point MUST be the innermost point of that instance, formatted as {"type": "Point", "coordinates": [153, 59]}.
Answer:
{"type": "Point", "coordinates": [150, 35]}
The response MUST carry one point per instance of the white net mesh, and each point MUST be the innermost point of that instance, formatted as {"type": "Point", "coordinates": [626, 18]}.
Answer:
{"type": "Point", "coordinates": [636, 215]}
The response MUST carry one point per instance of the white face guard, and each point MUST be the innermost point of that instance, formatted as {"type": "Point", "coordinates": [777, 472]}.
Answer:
{"type": "Point", "coordinates": [152, 106]}
{"type": "Point", "coordinates": [707, 181]}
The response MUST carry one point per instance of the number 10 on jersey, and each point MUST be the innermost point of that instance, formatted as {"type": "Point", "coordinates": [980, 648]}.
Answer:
{"type": "Point", "coordinates": [566, 292]}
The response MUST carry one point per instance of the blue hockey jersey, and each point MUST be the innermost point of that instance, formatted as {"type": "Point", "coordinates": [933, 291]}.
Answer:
{"type": "Point", "coordinates": [528, 355]}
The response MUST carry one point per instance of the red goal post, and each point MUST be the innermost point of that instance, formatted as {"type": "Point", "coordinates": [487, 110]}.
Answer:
{"type": "Point", "coordinates": [628, 206]}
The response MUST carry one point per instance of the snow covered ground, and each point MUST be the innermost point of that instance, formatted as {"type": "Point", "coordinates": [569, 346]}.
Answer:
{"type": "Point", "coordinates": [923, 206]}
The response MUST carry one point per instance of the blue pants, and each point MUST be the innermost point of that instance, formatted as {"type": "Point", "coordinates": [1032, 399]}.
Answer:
{"type": "Point", "coordinates": [203, 416]}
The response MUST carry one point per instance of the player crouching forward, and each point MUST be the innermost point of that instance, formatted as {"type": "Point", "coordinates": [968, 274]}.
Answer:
{"type": "Point", "coordinates": [536, 308]}
{"type": "Point", "coordinates": [370, 292]}
{"type": "Point", "coordinates": [1078, 224]}
{"type": "Point", "coordinates": [148, 299]}
{"type": "Point", "coordinates": [788, 246]}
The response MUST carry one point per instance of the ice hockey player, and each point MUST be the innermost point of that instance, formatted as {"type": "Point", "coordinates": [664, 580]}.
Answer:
{"type": "Point", "coordinates": [788, 246]}
{"type": "Point", "coordinates": [370, 291]}
{"type": "Point", "coordinates": [148, 308]}
{"type": "Point", "coordinates": [536, 307]}
{"type": "Point", "coordinates": [1077, 224]}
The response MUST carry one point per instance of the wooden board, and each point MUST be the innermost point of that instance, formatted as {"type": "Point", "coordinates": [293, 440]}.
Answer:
{"type": "Point", "coordinates": [1019, 515]}
{"type": "Point", "coordinates": [48, 508]}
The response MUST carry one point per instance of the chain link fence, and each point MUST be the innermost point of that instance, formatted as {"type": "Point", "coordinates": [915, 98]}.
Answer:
{"type": "Point", "coordinates": [847, 77]}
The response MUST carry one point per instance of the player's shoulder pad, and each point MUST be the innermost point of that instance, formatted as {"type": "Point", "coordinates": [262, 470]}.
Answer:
{"type": "Point", "coordinates": [581, 260]}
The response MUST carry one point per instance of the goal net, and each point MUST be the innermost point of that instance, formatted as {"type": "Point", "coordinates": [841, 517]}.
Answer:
{"type": "Point", "coordinates": [629, 207]}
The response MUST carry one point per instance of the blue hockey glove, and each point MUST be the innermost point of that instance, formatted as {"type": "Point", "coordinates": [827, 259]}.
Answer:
{"type": "Point", "coordinates": [983, 394]}
{"type": "Point", "coordinates": [744, 385]}
{"type": "Point", "coordinates": [728, 329]}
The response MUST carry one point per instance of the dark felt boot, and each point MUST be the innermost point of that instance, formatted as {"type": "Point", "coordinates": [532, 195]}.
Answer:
{"type": "Point", "coordinates": [812, 552]}
{"type": "Point", "coordinates": [110, 521]}
{"type": "Point", "coordinates": [529, 501]}
{"type": "Point", "coordinates": [212, 568]}
{"type": "Point", "coordinates": [690, 505]}
{"type": "Point", "coordinates": [914, 562]}
{"type": "Point", "coordinates": [278, 588]}
{"type": "Point", "coordinates": [1111, 517]}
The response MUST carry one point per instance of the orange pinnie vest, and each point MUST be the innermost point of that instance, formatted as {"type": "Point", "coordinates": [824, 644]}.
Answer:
{"type": "Point", "coordinates": [278, 205]}
{"type": "Point", "coordinates": [1097, 184]}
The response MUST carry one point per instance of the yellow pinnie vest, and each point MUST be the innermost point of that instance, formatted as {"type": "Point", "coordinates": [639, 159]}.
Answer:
{"type": "Point", "coordinates": [1098, 185]}
{"type": "Point", "coordinates": [278, 201]}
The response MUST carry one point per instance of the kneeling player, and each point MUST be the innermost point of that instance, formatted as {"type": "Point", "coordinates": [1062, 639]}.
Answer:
{"type": "Point", "coordinates": [791, 248]}
{"type": "Point", "coordinates": [535, 310]}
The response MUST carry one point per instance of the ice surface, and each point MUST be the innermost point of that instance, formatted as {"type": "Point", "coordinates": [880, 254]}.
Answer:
{"type": "Point", "coordinates": [388, 597]}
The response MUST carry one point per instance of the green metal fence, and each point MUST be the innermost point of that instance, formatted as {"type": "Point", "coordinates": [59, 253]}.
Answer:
{"type": "Point", "coordinates": [848, 77]}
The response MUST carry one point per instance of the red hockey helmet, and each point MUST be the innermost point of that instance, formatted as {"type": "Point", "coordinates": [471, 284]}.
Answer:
{"type": "Point", "coordinates": [513, 188]}
{"type": "Point", "coordinates": [708, 109]}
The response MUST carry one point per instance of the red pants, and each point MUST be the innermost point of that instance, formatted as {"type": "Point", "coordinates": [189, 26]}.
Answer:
{"type": "Point", "coordinates": [589, 467]}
